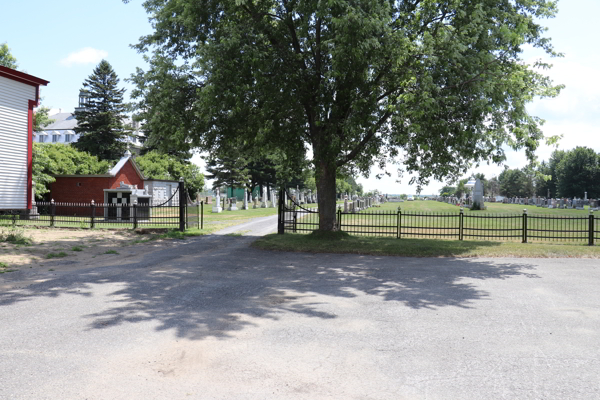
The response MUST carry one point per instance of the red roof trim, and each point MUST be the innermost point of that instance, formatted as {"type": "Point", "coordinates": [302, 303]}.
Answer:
{"type": "Point", "coordinates": [22, 77]}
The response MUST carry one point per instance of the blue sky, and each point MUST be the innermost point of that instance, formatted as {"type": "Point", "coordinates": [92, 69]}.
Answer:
{"type": "Point", "coordinates": [63, 41]}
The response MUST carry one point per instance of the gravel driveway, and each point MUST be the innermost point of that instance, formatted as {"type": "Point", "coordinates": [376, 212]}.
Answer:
{"type": "Point", "coordinates": [212, 318]}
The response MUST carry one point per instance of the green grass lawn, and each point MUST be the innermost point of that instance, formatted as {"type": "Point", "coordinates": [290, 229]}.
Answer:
{"type": "Point", "coordinates": [492, 208]}
{"type": "Point", "coordinates": [432, 219]}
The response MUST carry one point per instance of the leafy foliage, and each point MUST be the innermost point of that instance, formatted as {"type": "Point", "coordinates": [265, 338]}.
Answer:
{"type": "Point", "coordinates": [155, 165]}
{"type": "Point", "coordinates": [6, 58]}
{"type": "Point", "coordinates": [61, 159]}
{"type": "Point", "coordinates": [440, 84]}
{"type": "Point", "coordinates": [516, 182]}
{"type": "Point", "coordinates": [577, 172]}
{"type": "Point", "coordinates": [100, 124]}
{"type": "Point", "coordinates": [41, 119]}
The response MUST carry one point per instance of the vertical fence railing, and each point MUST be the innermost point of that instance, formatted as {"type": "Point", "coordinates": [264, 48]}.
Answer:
{"type": "Point", "coordinates": [523, 227]}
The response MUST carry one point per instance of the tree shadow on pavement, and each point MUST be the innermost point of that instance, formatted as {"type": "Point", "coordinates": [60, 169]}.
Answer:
{"type": "Point", "coordinates": [213, 286]}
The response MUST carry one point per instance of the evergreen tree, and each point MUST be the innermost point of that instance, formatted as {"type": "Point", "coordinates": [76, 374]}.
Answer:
{"type": "Point", "coordinates": [100, 123]}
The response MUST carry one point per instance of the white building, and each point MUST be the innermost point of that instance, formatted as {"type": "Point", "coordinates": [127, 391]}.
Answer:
{"type": "Point", "coordinates": [62, 130]}
{"type": "Point", "coordinates": [19, 94]}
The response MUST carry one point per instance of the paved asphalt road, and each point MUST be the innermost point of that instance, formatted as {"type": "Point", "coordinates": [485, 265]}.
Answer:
{"type": "Point", "coordinates": [212, 318]}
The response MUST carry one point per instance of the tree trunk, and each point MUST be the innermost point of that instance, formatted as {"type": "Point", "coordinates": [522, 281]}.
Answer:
{"type": "Point", "coordinates": [325, 180]}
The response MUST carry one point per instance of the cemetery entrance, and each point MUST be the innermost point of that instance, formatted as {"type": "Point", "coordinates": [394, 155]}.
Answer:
{"type": "Point", "coordinates": [295, 215]}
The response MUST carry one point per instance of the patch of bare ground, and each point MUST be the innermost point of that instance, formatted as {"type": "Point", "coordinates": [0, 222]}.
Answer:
{"type": "Point", "coordinates": [59, 249]}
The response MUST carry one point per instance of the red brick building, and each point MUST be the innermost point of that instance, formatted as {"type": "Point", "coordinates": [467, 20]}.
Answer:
{"type": "Point", "coordinates": [85, 188]}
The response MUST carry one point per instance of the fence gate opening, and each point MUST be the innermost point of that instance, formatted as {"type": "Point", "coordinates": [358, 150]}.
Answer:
{"type": "Point", "coordinates": [296, 218]}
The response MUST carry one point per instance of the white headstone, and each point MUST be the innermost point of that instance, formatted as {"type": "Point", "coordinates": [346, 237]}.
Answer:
{"type": "Point", "coordinates": [217, 207]}
{"type": "Point", "coordinates": [263, 204]}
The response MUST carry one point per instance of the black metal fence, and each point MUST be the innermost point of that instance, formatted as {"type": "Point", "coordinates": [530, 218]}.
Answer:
{"type": "Point", "coordinates": [461, 226]}
{"type": "Point", "coordinates": [170, 214]}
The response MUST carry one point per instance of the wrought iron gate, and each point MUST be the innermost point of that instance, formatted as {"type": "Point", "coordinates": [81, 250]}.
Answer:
{"type": "Point", "coordinates": [293, 218]}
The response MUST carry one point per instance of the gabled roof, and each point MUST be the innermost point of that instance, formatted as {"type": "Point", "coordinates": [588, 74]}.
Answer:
{"type": "Point", "coordinates": [127, 157]}
{"type": "Point", "coordinates": [62, 121]}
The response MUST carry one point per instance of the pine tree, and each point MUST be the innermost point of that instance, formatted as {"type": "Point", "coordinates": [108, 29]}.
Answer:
{"type": "Point", "coordinates": [100, 121]}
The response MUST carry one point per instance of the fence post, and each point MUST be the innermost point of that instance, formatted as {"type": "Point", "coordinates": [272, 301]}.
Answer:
{"type": "Point", "coordinates": [524, 225]}
{"type": "Point", "coordinates": [339, 219]}
{"type": "Point", "coordinates": [461, 224]}
{"type": "Point", "coordinates": [398, 223]}
{"type": "Point", "coordinates": [52, 212]}
{"type": "Point", "coordinates": [134, 214]}
{"type": "Point", "coordinates": [591, 228]}
{"type": "Point", "coordinates": [281, 213]}
{"type": "Point", "coordinates": [202, 215]}
{"type": "Point", "coordinates": [295, 219]}
{"type": "Point", "coordinates": [14, 221]}
{"type": "Point", "coordinates": [182, 204]}
{"type": "Point", "coordinates": [93, 221]}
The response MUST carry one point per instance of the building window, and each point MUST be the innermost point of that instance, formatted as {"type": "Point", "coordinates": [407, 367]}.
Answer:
{"type": "Point", "coordinates": [68, 138]}
{"type": "Point", "coordinates": [55, 138]}
{"type": "Point", "coordinates": [42, 139]}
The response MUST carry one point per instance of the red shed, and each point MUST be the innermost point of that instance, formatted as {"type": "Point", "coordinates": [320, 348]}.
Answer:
{"type": "Point", "coordinates": [100, 188]}
{"type": "Point", "coordinates": [19, 94]}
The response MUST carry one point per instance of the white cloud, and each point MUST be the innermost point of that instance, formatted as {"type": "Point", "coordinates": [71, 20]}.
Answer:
{"type": "Point", "coordinates": [87, 55]}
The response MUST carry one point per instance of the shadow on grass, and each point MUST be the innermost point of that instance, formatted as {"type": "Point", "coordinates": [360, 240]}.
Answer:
{"type": "Point", "coordinates": [213, 286]}
{"type": "Point", "coordinates": [343, 243]}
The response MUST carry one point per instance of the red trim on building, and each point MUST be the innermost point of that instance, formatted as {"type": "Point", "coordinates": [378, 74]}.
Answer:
{"type": "Point", "coordinates": [32, 104]}
{"type": "Point", "coordinates": [24, 78]}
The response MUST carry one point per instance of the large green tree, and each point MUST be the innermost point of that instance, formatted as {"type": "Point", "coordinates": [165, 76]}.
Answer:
{"type": "Point", "coordinates": [516, 182]}
{"type": "Point", "coordinates": [439, 84]}
{"type": "Point", "coordinates": [547, 177]}
{"type": "Point", "coordinates": [6, 58]}
{"type": "Point", "coordinates": [100, 122]}
{"type": "Point", "coordinates": [578, 172]}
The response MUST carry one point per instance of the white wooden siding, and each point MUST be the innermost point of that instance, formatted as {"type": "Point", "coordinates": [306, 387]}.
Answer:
{"type": "Point", "coordinates": [14, 107]}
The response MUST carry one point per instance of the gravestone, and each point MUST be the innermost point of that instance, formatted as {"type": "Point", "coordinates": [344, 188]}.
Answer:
{"type": "Point", "coordinates": [346, 204]}
{"type": "Point", "coordinates": [273, 199]}
{"type": "Point", "coordinates": [263, 203]}
{"type": "Point", "coordinates": [245, 205]}
{"type": "Point", "coordinates": [232, 204]}
{"type": "Point", "coordinates": [217, 207]}
{"type": "Point", "coordinates": [478, 202]}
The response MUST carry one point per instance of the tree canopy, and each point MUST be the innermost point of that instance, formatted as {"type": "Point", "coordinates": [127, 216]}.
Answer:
{"type": "Point", "coordinates": [6, 58]}
{"type": "Point", "coordinates": [438, 85]}
{"type": "Point", "coordinates": [61, 159]}
{"type": "Point", "coordinates": [516, 182]}
{"type": "Point", "coordinates": [578, 172]}
{"type": "Point", "coordinates": [100, 123]}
